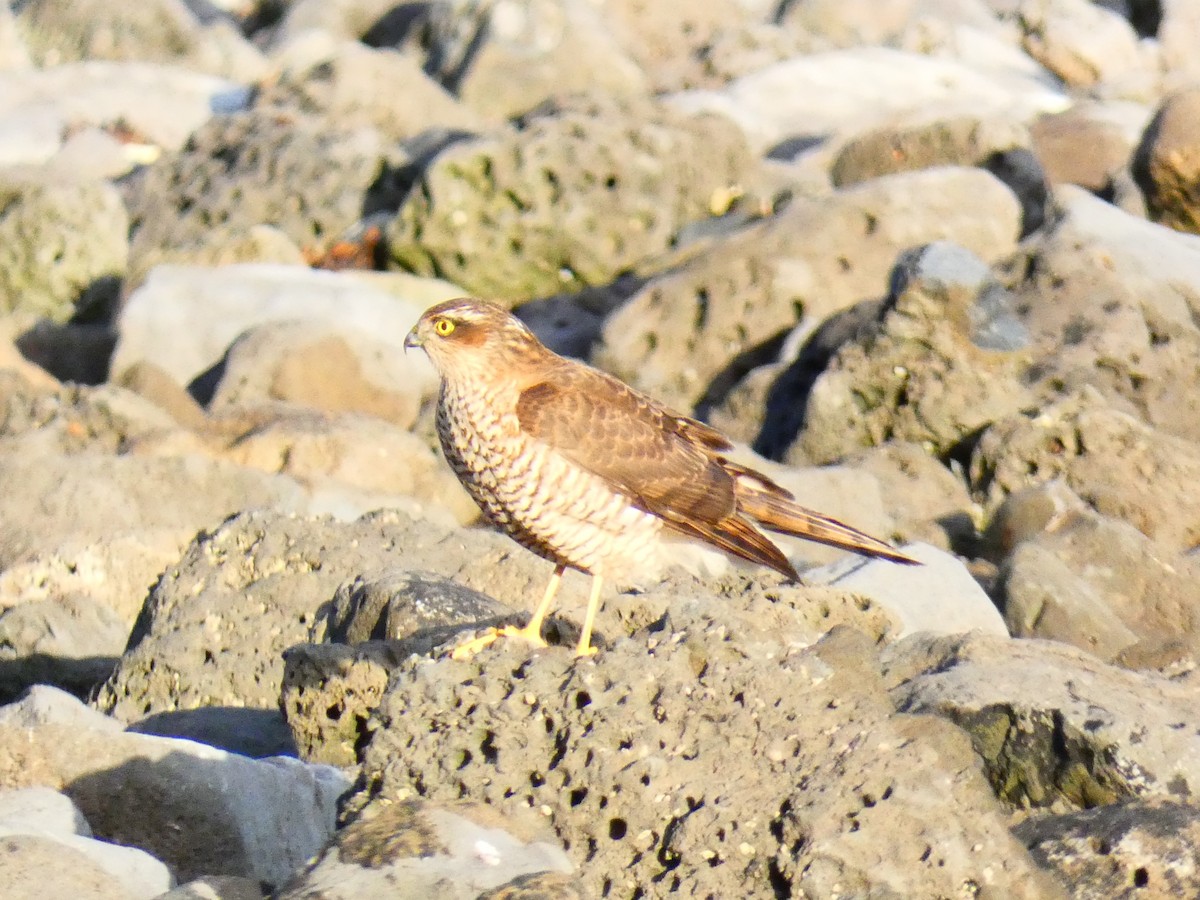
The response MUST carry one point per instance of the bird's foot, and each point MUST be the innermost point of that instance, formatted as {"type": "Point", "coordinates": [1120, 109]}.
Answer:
{"type": "Point", "coordinates": [582, 652]}
{"type": "Point", "coordinates": [467, 649]}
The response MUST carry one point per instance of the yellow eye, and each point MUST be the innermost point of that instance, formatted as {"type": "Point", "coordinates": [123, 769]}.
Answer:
{"type": "Point", "coordinates": [443, 327]}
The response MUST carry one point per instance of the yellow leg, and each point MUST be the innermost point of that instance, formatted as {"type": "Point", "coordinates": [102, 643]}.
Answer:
{"type": "Point", "coordinates": [585, 647]}
{"type": "Point", "coordinates": [532, 632]}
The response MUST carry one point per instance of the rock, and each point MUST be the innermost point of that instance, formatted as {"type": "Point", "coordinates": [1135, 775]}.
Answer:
{"type": "Point", "coordinates": [13, 52]}
{"type": "Point", "coordinates": [1179, 21]}
{"type": "Point", "coordinates": [161, 105]}
{"type": "Point", "coordinates": [924, 498]}
{"type": "Point", "coordinates": [1102, 585]}
{"type": "Point", "coordinates": [330, 690]}
{"type": "Point", "coordinates": [928, 372]}
{"type": "Point", "coordinates": [572, 198]}
{"type": "Point", "coordinates": [328, 694]}
{"type": "Point", "coordinates": [308, 179]}
{"type": "Point", "coordinates": [1168, 162]}
{"type": "Point", "coordinates": [48, 815]}
{"type": "Point", "coordinates": [1084, 44]}
{"type": "Point", "coordinates": [678, 333]}
{"type": "Point", "coordinates": [214, 628]}
{"type": "Point", "coordinates": [418, 849]}
{"type": "Point", "coordinates": [841, 91]}
{"type": "Point", "coordinates": [674, 47]}
{"type": "Point", "coordinates": [939, 596]}
{"type": "Point", "coordinates": [1052, 724]}
{"type": "Point", "coordinates": [257, 733]}
{"type": "Point", "coordinates": [1089, 144]}
{"type": "Point", "coordinates": [351, 85]}
{"type": "Point", "coordinates": [199, 810]}
{"type": "Point", "coordinates": [961, 141]}
{"type": "Point", "coordinates": [71, 642]}
{"type": "Point", "coordinates": [43, 705]}
{"type": "Point", "coordinates": [116, 571]}
{"type": "Point", "coordinates": [214, 306]}
{"type": "Point", "coordinates": [506, 61]}
{"type": "Point", "coordinates": [1143, 846]}
{"type": "Point", "coordinates": [217, 887]}
{"type": "Point", "coordinates": [319, 365]}
{"type": "Point", "coordinates": [53, 498]}
{"type": "Point", "coordinates": [360, 452]}
{"type": "Point", "coordinates": [1119, 466]}
{"type": "Point", "coordinates": [160, 31]}
{"type": "Point", "coordinates": [41, 809]}
{"type": "Point", "coordinates": [1110, 301]}
{"type": "Point", "coordinates": [709, 773]}
{"type": "Point", "coordinates": [33, 866]}
{"type": "Point", "coordinates": [63, 247]}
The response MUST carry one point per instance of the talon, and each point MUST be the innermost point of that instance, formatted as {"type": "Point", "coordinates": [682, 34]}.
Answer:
{"type": "Point", "coordinates": [467, 649]}
{"type": "Point", "coordinates": [585, 652]}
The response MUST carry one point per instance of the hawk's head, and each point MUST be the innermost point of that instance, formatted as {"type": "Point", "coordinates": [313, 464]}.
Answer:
{"type": "Point", "coordinates": [462, 336]}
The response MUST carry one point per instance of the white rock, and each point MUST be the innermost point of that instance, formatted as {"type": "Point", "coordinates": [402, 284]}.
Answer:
{"type": "Point", "coordinates": [939, 596]}
{"type": "Point", "coordinates": [183, 318]}
{"type": "Point", "coordinates": [828, 93]}
{"type": "Point", "coordinates": [179, 800]}
{"type": "Point", "coordinates": [163, 103]}
{"type": "Point", "coordinates": [41, 810]}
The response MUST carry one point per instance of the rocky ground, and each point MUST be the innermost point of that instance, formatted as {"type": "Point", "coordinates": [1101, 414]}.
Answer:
{"type": "Point", "coordinates": [934, 264]}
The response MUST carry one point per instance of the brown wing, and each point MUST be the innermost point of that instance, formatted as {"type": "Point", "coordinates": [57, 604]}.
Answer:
{"type": "Point", "coordinates": [665, 463]}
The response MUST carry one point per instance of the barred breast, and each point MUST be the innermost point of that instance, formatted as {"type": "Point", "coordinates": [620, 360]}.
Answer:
{"type": "Point", "coordinates": [539, 498]}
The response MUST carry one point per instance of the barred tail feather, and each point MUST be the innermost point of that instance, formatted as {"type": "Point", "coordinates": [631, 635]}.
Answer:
{"type": "Point", "coordinates": [780, 513]}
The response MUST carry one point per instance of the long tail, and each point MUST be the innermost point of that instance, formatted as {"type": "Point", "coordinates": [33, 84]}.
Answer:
{"type": "Point", "coordinates": [774, 508]}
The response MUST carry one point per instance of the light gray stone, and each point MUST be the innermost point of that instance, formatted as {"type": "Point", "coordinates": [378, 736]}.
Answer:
{"type": "Point", "coordinates": [940, 596]}
{"type": "Point", "coordinates": [214, 306]}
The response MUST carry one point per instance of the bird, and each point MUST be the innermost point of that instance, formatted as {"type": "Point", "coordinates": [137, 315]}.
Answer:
{"type": "Point", "coordinates": [590, 473]}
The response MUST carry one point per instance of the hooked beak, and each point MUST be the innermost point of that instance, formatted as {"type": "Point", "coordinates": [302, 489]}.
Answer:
{"type": "Point", "coordinates": [412, 341]}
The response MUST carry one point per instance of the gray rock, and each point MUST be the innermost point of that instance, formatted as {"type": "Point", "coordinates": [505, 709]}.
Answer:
{"type": "Point", "coordinates": [574, 197]}
{"type": "Point", "coordinates": [321, 365]}
{"type": "Point", "coordinates": [1143, 848]}
{"type": "Point", "coordinates": [940, 596]}
{"type": "Point", "coordinates": [116, 571]}
{"type": "Point", "coordinates": [903, 147]}
{"type": "Point", "coordinates": [390, 467]}
{"type": "Point", "coordinates": [163, 31]}
{"type": "Point", "coordinates": [161, 104]}
{"type": "Point", "coordinates": [728, 297]}
{"type": "Point", "coordinates": [72, 642]}
{"type": "Point", "coordinates": [217, 887]}
{"type": "Point", "coordinates": [214, 628]}
{"type": "Point", "coordinates": [44, 813]}
{"type": "Point", "coordinates": [214, 306]}
{"type": "Point", "coordinates": [842, 91]}
{"type": "Point", "coordinates": [1085, 44]}
{"type": "Point", "coordinates": [1168, 163]}
{"type": "Point", "coordinates": [45, 705]}
{"type": "Point", "coordinates": [1102, 585]}
{"type": "Point", "coordinates": [1052, 724]}
{"type": "Point", "coordinates": [1125, 327]}
{"type": "Point", "coordinates": [63, 247]}
{"type": "Point", "coordinates": [1089, 144]}
{"type": "Point", "coordinates": [1118, 465]}
{"type": "Point", "coordinates": [199, 810]}
{"type": "Point", "coordinates": [506, 60]}
{"type": "Point", "coordinates": [416, 849]}
{"type": "Point", "coordinates": [308, 179]}
{"type": "Point", "coordinates": [32, 866]}
{"type": "Point", "coordinates": [41, 809]}
{"type": "Point", "coordinates": [929, 371]}
{"type": "Point", "coordinates": [353, 85]}
{"type": "Point", "coordinates": [54, 498]}
{"type": "Point", "coordinates": [709, 773]}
